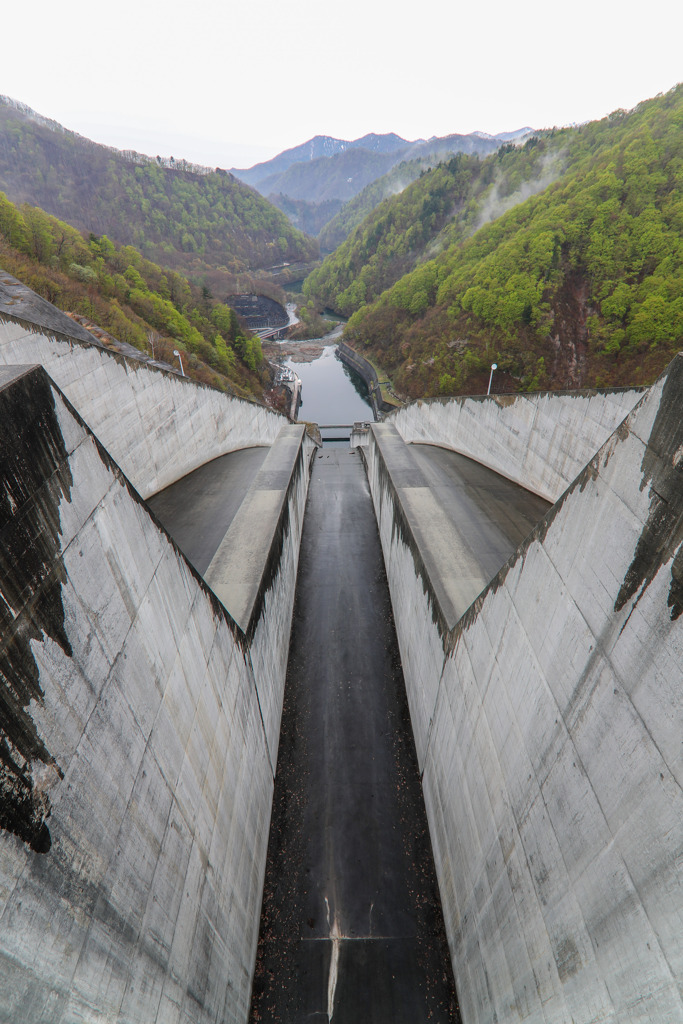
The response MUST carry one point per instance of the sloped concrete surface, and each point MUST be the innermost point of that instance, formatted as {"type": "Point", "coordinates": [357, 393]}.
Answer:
{"type": "Point", "coordinates": [550, 741]}
{"type": "Point", "coordinates": [158, 427]}
{"type": "Point", "coordinates": [135, 779]}
{"type": "Point", "coordinates": [465, 519]}
{"type": "Point", "coordinates": [540, 441]}
{"type": "Point", "coordinates": [198, 510]}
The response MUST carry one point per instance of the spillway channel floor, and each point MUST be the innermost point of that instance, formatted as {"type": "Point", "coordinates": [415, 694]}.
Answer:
{"type": "Point", "coordinates": [351, 926]}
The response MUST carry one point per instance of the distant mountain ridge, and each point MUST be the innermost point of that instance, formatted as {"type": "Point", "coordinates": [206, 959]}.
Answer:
{"type": "Point", "coordinates": [325, 169]}
{"type": "Point", "coordinates": [319, 147]}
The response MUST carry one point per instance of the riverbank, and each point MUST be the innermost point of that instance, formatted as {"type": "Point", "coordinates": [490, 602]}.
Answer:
{"type": "Point", "coordinates": [304, 351]}
{"type": "Point", "coordinates": [380, 399]}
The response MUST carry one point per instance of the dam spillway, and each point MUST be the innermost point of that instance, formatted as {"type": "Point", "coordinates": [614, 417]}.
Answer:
{"type": "Point", "coordinates": [141, 716]}
{"type": "Point", "coordinates": [352, 926]}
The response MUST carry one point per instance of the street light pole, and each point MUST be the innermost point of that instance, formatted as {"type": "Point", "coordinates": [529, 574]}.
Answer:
{"type": "Point", "coordinates": [177, 353]}
{"type": "Point", "coordinates": [494, 366]}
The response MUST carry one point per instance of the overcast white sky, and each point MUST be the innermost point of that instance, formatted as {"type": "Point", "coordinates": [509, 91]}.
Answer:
{"type": "Point", "coordinates": [227, 84]}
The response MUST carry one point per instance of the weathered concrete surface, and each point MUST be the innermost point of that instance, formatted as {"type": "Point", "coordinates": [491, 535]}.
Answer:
{"type": "Point", "coordinates": [551, 741]}
{"type": "Point", "coordinates": [235, 540]}
{"type": "Point", "coordinates": [466, 520]}
{"type": "Point", "coordinates": [157, 426]}
{"type": "Point", "coordinates": [136, 778]}
{"type": "Point", "coordinates": [351, 928]}
{"type": "Point", "coordinates": [359, 435]}
{"type": "Point", "coordinates": [198, 510]}
{"type": "Point", "coordinates": [237, 567]}
{"type": "Point", "coordinates": [541, 441]}
{"type": "Point", "coordinates": [255, 567]}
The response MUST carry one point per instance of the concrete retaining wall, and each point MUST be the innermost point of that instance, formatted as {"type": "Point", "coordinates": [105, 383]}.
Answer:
{"type": "Point", "coordinates": [541, 441]}
{"type": "Point", "coordinates": [368, 373]}
{"type": "Point", "coordinates": [157, 426]}
{"type": "Point", "coordinates": [137, 762]}
{"type": "Point", "coordinates": [548, 726]}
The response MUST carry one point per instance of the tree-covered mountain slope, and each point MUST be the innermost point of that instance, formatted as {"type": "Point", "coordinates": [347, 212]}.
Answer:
{"type": "Point", "coordinates": [579, 285]}
{"type": "Point", "coordinates": [443, 206]}
{"type": "Point", "coordinates": [339, 177]}
{"type": "Point", "coordinates": [353, 213]}
{"type": "Point", "coordinates": [311, 218]}
{"type": "Point", "coordinates": [424, 157]}
{"type": "Point", "coordinates": [329, 169]}
{"type": "Point", "coordinates": [180, 215]}
{"type": "Point", "coordinates": [122, 294]}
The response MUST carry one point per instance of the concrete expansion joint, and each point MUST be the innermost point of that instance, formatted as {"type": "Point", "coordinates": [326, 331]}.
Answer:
{"type": "Point", "coordinates": [252, 676]}
{"type": "Point", "coordinates": [432, 717]}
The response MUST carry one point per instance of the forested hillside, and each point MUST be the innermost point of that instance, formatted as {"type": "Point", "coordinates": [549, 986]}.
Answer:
{"type": "Point", "coordinates": [443, 206]}
{"type": "Point", "coordinates": [131, 298]}
{"type": "Point", "coordinates": [308, 217]}
{"type": "Point", "coordinates": [182, 216]}
{"type": "Point", "coordinates": [422, 157]}
{"type": "Point", "coordinates": [581, 284]}
{"type": "Point", "coordinates": [353, 213]}
{"type": "Point", "coordinates": [341, 176]}
{"type": "Point", "coordinates": [306, 181]}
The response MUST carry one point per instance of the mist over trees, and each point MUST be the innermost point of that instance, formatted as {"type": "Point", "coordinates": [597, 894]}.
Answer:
{"type": "Point", "coordinates": [578, 284]}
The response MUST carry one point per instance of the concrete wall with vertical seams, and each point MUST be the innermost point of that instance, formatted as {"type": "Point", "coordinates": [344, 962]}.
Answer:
{"type": "Point", "coordinates": [157, 426]}
{"type": "Point", "coordinates": [136, 775]}
{"type": "Point", "coordinates": [541, 441]}
{"type": "Point", "coordinates": [548, 725]}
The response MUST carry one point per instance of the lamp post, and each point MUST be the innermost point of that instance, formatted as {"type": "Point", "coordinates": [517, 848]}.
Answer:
{"type": "Point", "coordinates": [177, 353]}
{"type": "Point", "coordinates": [494, 366]}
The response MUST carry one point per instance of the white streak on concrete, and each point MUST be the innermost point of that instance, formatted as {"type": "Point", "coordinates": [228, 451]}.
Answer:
{"type": "Point", "coordinates": [334, 961]}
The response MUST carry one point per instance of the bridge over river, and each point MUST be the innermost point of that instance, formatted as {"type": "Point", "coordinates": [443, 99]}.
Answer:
{"type": "Point", "coordinates": [389, 732]}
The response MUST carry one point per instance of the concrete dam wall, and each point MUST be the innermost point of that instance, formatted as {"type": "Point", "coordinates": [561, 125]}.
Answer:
{"type": "Point", "coordinates": [155, 425]}
{"type": "Point", "coordinates": [541, 441]}
{"type": "Point", "coordinates": [140, 703]}
{"type": "Point", "coordinates": [139, 730]}
{"type": "Point", "coordinates": [548, 717]}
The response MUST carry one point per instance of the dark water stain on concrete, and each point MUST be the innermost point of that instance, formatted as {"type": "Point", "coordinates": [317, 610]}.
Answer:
{"type": "Point", "coordinates": [662, 468]}
{"type": "Point", "coordinates": [35, 479]}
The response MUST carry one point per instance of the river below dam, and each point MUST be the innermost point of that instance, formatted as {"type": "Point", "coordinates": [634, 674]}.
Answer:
{"type": "Point", "coordinates": [330, 391]}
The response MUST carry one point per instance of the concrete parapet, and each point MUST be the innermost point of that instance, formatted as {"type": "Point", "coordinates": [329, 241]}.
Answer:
{"type": "Point", "coordinates": [359, 435]}
{"type": "Point", "coordinates": [137, 769]}
{"type": "Point", "coordinates": [540, 441]}
{"type": "Point", "coordinates": [548, 724]}
{"type": "Point", "coordinates": [263, 537]}
{"type": "Point", "coordinates": [157, 426]}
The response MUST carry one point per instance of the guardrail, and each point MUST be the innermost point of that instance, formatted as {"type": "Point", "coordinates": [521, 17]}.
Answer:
{"type": "Point", "coordinates": [347, 427]}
